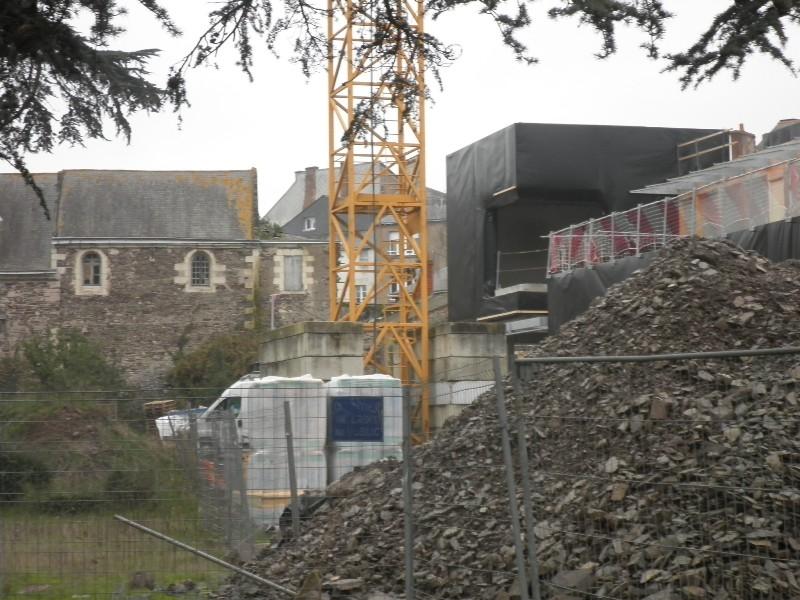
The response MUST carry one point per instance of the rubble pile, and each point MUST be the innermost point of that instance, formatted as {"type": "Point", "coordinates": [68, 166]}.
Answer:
{"type": "Point", "coordinates": [657, 481]}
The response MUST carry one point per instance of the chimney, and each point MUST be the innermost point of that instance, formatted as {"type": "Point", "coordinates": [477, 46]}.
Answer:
{"type": "Point", "coordinates": [310, 187]}
{"type": "Point", "coordinates": [744, 142]}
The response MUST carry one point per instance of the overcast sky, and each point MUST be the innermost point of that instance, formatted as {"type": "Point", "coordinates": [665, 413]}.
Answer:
{"type": "Point", "coordinates": [278, 124]}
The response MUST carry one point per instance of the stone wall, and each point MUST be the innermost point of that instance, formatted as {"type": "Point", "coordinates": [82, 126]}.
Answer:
{"type": "Point", "coordinates": [145, 307]}
{"type": "Point", "coordinates": [281, 307]}
{"type": "Point", "coordinates": [29, 305]}
{"type": "Point", "coordinates": [150, 310]}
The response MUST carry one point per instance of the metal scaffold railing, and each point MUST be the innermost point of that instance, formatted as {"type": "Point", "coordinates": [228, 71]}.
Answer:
{"type": "Point", "coordinates": [712, 211]}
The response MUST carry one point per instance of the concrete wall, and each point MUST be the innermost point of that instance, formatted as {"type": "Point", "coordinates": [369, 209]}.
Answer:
{"type": "Point", "coordinates": [462, 366]}
{"type": "Point", "coordinates": [322, 349]}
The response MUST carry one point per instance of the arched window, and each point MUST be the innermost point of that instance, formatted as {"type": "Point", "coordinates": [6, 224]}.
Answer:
{"type": "Point", "coordinates": [201, 269]}
{"type": "Point", "coordinates": [92, 269]}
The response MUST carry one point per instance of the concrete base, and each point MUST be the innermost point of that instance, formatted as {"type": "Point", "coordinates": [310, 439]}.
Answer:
{"type": "Point", "coordinates": [464, 351]}
{"type": "Point", "coordinates": [460, 358]}
{"type": "Point", "coordinates": [323, 349]}
{"type": "Point", "coordinates": [462, 365]}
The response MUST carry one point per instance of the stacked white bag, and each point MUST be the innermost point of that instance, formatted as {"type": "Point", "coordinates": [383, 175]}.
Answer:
{"type": "Point", "coordinates": [346, 455]}
{"type": "Point", "coordinates": [264, 423]}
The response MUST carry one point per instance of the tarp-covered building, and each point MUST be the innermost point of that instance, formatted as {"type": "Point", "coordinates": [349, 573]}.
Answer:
{"type": "Point", "coordinates": [507, 191]}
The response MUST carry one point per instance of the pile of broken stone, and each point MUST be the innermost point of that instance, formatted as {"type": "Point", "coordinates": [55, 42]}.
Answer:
{"type": "Point", "coordinates": [659, 481]}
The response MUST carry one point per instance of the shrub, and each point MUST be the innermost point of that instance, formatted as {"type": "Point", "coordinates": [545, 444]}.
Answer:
{"type": "Point", "coordinates": [131, 486]}
{"type": "Point", "coordinates": [18, 471]}
{"type": "Point", "coordinates": [216, 363]}
{"type": "Point", "coordinates": [69, 361]}
{"type": "Point", "coordinates": [70, 504]}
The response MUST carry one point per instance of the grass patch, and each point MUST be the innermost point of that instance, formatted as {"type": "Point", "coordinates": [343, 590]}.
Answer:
{"type": "Point", "coordinates": [74, 450]}
{"type": "Point", "coordinates": [94, 556]}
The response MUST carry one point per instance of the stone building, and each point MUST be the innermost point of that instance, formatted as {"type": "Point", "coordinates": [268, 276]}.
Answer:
{"type": "Point", "coordinates": [147, 263]}
{"type": "Point", "coordinates": [303, 210]}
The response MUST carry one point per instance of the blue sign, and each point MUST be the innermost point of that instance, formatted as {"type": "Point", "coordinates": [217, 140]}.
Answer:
{"type": "Point", "coordinates": [356, 419]}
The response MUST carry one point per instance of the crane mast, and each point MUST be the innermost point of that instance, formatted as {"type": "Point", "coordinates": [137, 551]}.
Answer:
{"type": "Point", "coordinates": [377, 197]}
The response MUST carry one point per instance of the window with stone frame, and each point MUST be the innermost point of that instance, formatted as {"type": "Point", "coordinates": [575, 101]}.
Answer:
{"type": "Point", "coordinates": [361, 293]}
{"type": "Point", "coordinates": [293, 273]}
{"type": "Point", "coordinates": [91, 269]}
{"type": "Point", "coordinates": [201, 269]}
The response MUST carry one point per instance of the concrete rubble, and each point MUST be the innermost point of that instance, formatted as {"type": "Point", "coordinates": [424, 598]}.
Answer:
{"type": "Point", "coordinates": [660, 481]}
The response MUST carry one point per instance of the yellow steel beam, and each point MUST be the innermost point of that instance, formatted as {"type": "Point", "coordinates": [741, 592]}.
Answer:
{"type": "Point", "coordinates": [375, 175]}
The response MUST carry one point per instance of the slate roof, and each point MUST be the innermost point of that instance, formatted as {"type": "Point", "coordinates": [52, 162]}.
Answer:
{"type": "Point", "coordinates": [25, 233]}
{"type": "Point", "coordinates": [186, 205]}
{"type": "Point", "coordinates": [214, 205]}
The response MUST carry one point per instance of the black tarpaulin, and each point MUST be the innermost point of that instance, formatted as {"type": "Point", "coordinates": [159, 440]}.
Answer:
{"type": "Point", "coordinates": [781, 135]}
{"type": "Point", "coordinates": [508, 190]}
{"type": "Point", "coordinates": [775, 241]}
{"type": "Point", "coordinates": [570, 294]}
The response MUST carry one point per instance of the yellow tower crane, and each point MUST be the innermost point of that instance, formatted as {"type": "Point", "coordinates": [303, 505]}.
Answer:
{"type": "Point", "coordinates": [377, 196]}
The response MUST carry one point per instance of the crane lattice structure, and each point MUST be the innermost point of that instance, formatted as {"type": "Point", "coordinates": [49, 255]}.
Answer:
{"type": "Point", "coordinates": [377, 183]}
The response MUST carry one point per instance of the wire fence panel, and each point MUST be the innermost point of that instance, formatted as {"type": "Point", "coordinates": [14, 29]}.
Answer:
{"type": "Point", "coordinates": [712, 211]}
{"type": "Point", "coordinates": [68, 462]}
{"type": "Point", "coordinates": [228, 477]}
{"type": "Point", "coordinates": [660, 478]}
{"type": "Point", "coordinates": [666, 479]}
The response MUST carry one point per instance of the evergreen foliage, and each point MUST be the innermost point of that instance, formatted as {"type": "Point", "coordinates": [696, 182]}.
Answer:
{"type": "Point", "coordinates": [66, 361]}
{"type": "Point", "coordinates": [18, 471]}
{"type": "Point", "coordinates": [267, 230]}
{"type": "Point", "coordinates": [61, 83]}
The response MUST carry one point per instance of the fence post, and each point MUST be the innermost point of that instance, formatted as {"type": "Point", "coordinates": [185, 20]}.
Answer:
{"type": "Point", "coordinates": [666, 216]}
{"type": "Point", "coordinates": [638, 230]}
{"type": "Point", "coordinates": [287, 423]}
{"type": "Point", "coordinates": [550, 253]}
{"type": "Point", "coordinates": [569, 247]}
{"type": "Point", "coordinates": [510, 481]}
{"type": "Point", "coordinates": [587, 244]}
{"type": "Point", "coordinates": [408, 512]}
{"type": "Point", "coordinates": [527, 494]}
{"type": "Point", "coordinates": [235, 479]}
{"type": "Point", "coordinates": [194, 453]}
{"type": "Point", "coordinates": [787, 191]}
{"type": "Point", "coordinates": [227, 456]}
{"type": "Point", "coordinates": [613, 239]}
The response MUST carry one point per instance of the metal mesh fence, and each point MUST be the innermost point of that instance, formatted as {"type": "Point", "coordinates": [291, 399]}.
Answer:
{"type": "Point", "coordinates": [712, 211]}
{"type": "Point", "coordinates": [666, 478]}
{"type": "Point", "coordinates": [68, 462]}
{"type": "Point", "coordinates": [659, 478]}
{"type": "Point", "coordinates": [220, 477]}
